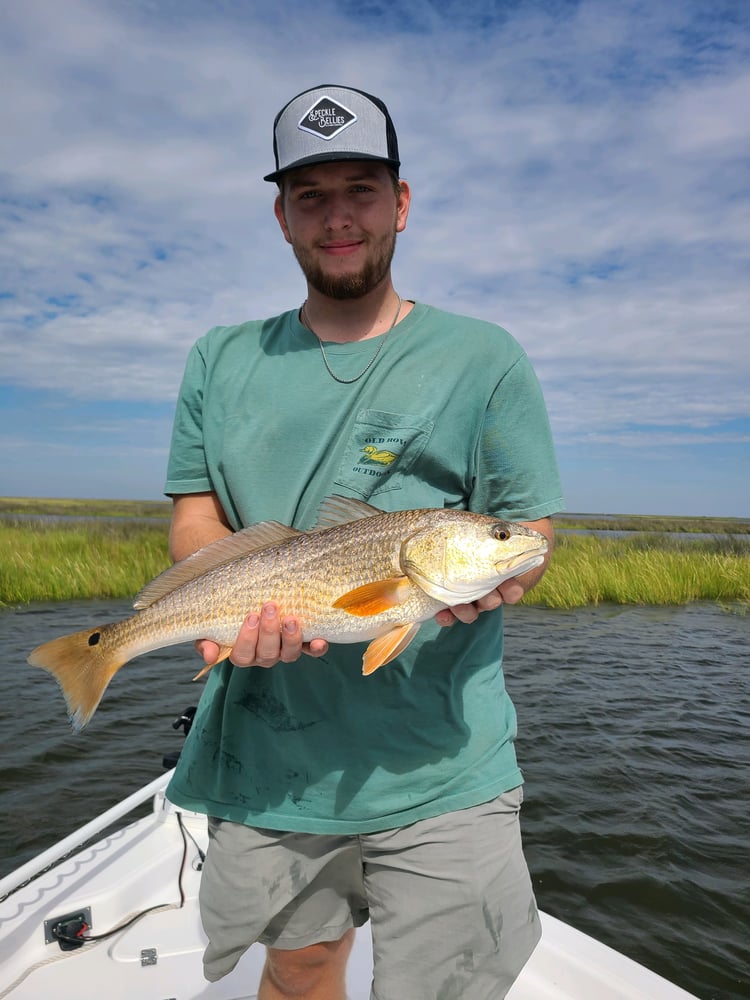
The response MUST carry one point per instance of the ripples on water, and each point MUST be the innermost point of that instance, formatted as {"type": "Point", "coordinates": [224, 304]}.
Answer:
{"type": "Point", "coordinates": [634, 728]}
{"type": "Point", "coordinates": [633, 738]}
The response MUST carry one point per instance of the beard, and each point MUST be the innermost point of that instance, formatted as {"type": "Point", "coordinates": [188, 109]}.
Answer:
{"type": "Point", "coordinates": [348, 286]}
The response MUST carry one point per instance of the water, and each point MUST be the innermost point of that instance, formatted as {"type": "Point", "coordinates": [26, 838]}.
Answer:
{"type": "Point", "coordinates": [634, 728]}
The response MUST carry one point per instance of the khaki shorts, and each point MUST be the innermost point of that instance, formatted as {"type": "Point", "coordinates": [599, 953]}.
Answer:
{"type": "Point", "coordinates": [450, 899]}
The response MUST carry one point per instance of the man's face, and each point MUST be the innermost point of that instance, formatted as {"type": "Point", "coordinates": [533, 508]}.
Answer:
{"type": "Point", "coordinates": [341, 220]}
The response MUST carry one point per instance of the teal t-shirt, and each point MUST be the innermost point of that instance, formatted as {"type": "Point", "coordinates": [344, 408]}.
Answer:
{"type": "Point", "coordinates": [450, 415]}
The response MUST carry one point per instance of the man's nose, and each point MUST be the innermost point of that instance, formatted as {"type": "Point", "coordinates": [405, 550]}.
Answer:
{"type": "Point", "coordinates": [337, 214]}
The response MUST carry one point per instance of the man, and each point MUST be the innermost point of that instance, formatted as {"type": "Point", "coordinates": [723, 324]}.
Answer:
{"type": "Point", "coordinates": [335, 797]}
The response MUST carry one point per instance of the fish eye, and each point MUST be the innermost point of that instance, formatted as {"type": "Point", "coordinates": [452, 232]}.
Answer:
{"type": "Point", "coordinates": [502, 534]}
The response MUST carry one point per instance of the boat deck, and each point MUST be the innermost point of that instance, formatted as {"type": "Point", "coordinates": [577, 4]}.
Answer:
{"type": "Point", "coordinates": [158, 957]}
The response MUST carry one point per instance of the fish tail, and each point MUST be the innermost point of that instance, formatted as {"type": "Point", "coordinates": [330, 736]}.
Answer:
{"type": "Point", "coordinates": [83, 664]}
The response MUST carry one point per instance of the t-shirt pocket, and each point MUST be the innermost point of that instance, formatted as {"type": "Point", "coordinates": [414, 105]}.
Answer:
{"type": "Point", "coordinates": [381, 450]}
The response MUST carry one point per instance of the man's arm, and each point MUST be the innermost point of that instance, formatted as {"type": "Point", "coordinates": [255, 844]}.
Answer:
{"type": "Point", "coordinates": [510, 591]}
{"type": "Point", "coordinates": [264, 638]}
{"type": "Point", "coordinates": [197, 520]}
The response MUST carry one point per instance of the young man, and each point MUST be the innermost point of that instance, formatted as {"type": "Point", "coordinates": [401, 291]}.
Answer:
{"type": "Point", "coordinates": [335, 797]}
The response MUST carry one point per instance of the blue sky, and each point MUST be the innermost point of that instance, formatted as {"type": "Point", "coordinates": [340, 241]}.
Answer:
{"type": "Point", "coordinates": [579, 173]}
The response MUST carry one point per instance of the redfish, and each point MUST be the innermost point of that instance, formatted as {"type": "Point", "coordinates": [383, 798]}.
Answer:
{"type": "Point", "coordinates": [361, 575]}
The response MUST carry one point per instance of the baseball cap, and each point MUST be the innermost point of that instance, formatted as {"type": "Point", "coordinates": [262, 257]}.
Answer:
{"type": "Point", "coordinates": [330, 123]}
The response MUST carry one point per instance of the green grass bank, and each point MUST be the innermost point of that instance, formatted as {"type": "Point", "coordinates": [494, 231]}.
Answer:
{"type": "Point", "coordinates": [648, 568]}
{"type": "Point", "coordinates": [114, 556]}
{"type": "Point", "coordinates": [60, 561]}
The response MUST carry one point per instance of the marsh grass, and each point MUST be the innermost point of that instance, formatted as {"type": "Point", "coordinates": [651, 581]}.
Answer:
{"type": "Point", "coordinates": [97, 558]}
{"type": "Point", "coordinates": [644, 569]}
{"type": "Point", "coordinates": [74, 561]}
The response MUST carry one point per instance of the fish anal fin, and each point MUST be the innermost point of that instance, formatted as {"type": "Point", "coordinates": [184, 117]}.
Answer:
{"type": "Point", "coordinates": [224, 652]}
{"type": "Point", "coordinates": [374, 598]}
{"type": "Point", "coordinates": [387, 647]}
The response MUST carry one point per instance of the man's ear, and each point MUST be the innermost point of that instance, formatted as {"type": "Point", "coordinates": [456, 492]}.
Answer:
{"type": "Point", "coordinates": [402, 207]}
{"type": "Point", "coordinates": [278, 211]}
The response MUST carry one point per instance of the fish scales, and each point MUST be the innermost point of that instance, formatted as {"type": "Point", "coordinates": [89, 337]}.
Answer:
{"type": "Point", "coordinates": [304, 577]}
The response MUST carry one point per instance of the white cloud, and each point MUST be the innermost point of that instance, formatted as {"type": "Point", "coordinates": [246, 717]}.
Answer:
{"type": "Point", "coordinates": [578, 173]}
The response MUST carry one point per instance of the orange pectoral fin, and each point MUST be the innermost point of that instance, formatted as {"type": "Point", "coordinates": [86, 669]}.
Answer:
{"type": "Point", "coordinates": [388, 646]}
{"type": "Point", "coordinates": [373, 598]}
{"type": "Point", "coordinates": [224, 652]}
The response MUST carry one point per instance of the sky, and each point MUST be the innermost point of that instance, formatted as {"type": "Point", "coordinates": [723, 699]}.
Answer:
{"type": "Point", "coordinates": [579, 172]}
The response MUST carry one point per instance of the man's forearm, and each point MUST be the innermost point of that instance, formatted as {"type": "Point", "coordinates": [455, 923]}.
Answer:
{"type": "Point", "coordinates": [197, 520]}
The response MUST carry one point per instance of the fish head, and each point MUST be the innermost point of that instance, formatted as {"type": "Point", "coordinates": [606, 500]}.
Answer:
{"type": "Point", "coordinates": [459, 561]}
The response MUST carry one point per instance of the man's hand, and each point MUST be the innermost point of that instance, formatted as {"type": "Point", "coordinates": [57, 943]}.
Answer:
{"type": "Point", "coordinates": [264, 640]}
{"type": "Point", "coordinates": [509, 592]}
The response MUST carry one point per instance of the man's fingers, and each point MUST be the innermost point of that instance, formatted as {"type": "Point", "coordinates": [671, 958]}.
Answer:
{"type": "Point", "coordinates": [468, 613]}
{"type": "Point", "coordinates": [511, 591]}
{"type": "Point", "coordinates": [316, 647]}
{"type": "Point", "coordinates": [490, 601]}
{"type": "Point", "coordinates": [446, 618]}
{"type": "Point", "coordinates": [268, 638]}
{"type": "Point", "coordinates": [207, 650]}
{"type": "Point", "coordinates": [268, 645]}
{"type": "Point", "coordinates": [265, 639]}
{"type": "Point", "coordinates": [291, 640]}
{"type": "Point", "coordinates": [465, 613]}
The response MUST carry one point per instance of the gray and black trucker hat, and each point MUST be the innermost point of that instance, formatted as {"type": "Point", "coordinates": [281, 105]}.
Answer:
{"type": "Point", "coordinates": [332, 123]}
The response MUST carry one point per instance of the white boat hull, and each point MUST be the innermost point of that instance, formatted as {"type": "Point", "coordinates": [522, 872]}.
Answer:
{"type": "Point", "coordinates": [158, 957]}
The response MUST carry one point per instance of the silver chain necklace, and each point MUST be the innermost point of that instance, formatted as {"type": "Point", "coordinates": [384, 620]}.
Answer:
{"type": "Point", "coordinates": [370, 363]}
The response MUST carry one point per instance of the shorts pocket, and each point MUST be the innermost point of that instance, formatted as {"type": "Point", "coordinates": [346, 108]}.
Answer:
{"type": "Point", "coordinates": [381, 451]}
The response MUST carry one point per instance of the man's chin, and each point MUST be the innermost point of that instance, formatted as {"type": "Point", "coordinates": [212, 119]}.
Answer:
{"type": "Point", "coordinates": [342, 284]}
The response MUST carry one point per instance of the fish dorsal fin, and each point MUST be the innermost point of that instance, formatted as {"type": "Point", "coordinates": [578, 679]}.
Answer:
{"type": "Point", "coordinates": [339, 510]}
{"type": "Point", "coordinates": [241, 543]}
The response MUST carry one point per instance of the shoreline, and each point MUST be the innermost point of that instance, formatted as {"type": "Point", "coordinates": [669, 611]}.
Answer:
{"type": "Point", "coordinates": [159, 509]}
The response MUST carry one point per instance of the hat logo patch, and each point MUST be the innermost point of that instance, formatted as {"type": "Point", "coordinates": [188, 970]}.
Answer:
{"type": "Point", "coordinates": [326, 118]}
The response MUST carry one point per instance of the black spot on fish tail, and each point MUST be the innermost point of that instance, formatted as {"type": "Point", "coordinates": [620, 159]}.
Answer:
{"type": "Point", "coordinates": [94, 638]}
